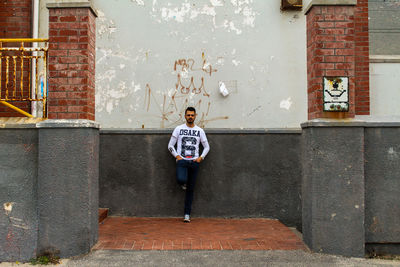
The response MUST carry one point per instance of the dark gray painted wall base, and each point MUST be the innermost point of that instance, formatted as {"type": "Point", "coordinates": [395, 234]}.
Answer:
{"type": "Point", "coordinates": [380, 249]}
{"type": "Point", "coordinates": [382, 183]}
{"type": "Point", "coordinates": [256, 174]}
{"type": "Point", "coordinates": [350, 186]}
{"type": "Point", "coordinates": [333, 190]}
{"type": "Point", "coordinates": [338, 180]}
{"type": "Point", "coordinates": [48, 189]}
{"type": "Point", "coordinates": [18, 194]}
{"type": "Point", "coordinates": [349, 180]}
{"type": "Point", "coordinates": [68, 190]}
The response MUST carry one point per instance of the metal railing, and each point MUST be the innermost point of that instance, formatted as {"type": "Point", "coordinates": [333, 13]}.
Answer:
{"type": "Point", "coordinates": [23, 74]}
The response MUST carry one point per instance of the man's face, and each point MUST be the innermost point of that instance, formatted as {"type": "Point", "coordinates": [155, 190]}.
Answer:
{"type": "Point", "coordinates": [190, 116]}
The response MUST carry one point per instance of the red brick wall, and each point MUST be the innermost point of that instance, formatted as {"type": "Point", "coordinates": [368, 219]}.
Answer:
{"type": "Point", "coordinates": [71, 63]}
{"type": "Point", "coordinates": [330, 52]}
{"type": "Point", "coordinates": [362, 58]}
{"type": "Point", "coordinates": [15, 22]}
{"type": "Point", "coordinates": [15, 18]}
{"type": "Point", "coordinates": [338, 45]}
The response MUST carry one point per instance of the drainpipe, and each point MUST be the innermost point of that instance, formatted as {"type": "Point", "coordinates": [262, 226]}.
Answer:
{"type": "Point", "coordinates": [35, 35]}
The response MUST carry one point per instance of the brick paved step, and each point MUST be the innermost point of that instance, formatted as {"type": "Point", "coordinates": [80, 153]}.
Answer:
{"type": "Point", "coordinates": [132, 233]}
{"type": "Point", "coordinates": [103, 213]}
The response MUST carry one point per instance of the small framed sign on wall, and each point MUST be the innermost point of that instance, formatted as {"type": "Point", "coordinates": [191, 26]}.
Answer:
{"type": "Point", "coordinates": [291, 4]}
{"type": "Point", "coordinates": [336, 94]}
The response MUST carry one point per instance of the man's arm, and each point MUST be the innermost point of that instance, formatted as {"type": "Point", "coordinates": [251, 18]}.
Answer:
{"type": "Point", "coordinates": [206, 147]}
{"type": "Point", "coordinates": [171, 147]}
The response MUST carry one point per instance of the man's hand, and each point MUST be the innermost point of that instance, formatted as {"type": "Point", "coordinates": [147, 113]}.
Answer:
{"type": "Point", "coordinates": [199, 159]}
{"type": "Point", "coordinates": [179, 157]}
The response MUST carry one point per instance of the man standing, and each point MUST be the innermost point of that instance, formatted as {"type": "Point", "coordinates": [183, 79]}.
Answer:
{"type": "Point", "coordinates": [188, 136]}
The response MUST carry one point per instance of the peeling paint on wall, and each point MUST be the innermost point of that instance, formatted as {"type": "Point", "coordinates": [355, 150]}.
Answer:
{"type": "Point", "coordinates": [243, 13]}
{"type": "Point", "coordinates": [294, 19]}
{"type": "Point", "coordinates": [243, 7]}
{"type": "Point", "coordinates": [248, 45]}
{"type": "Point", "coordinates": [393, 154]}
{"type": "Point", "coordinates": [105, 26]}
{"type": "Point", "coordinates": [236, 62]}
{"type": "Point", "coordinates": [217, 2]}
{"type": "Point", "coordinates": [19, 223]}
{"type": "Point", "coordinates": [111, 86]}
{"type": "Point", "coordinates": [286, 103]}
{"type": "Point", "coordinates": [8, 207]}
{"type": "Point", "coordinates": [138, 2]}
{"type": "Point", "coordinates": [11, 244]}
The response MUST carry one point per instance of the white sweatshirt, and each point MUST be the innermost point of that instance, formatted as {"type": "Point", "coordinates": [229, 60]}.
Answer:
{"type": "Point", "coordinates": [188, 139]}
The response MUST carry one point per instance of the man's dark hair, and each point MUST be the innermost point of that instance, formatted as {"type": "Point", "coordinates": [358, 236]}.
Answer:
{"type": "Point", "coordinates": [190, 109]}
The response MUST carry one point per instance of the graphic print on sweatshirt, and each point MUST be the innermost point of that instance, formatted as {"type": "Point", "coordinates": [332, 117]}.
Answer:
{"type": "Point", "coordinates": [188, 140]}
{"type": "Point", "coordinates": [188, 148]}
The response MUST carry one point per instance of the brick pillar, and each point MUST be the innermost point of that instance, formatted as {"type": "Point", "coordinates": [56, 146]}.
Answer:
{"type": "Point", "coordinates": [362, 58]}
{"type": "Point", "coordinates": [15, 22]}
{"type": "Point", "coordinates": [337, 45]}
{"type": "Point", "coordinates": [72, 37]}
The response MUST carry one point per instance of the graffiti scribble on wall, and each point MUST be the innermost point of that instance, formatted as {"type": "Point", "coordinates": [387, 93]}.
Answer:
{"type": "Point", "coordinates": [186, 91]}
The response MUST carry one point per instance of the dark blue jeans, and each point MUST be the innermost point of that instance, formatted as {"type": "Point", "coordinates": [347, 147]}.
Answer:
{"type": "Point", "coordinates": [186, 173]}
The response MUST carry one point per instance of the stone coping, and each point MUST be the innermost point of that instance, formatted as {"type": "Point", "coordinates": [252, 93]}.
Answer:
{"type": "Point", "coordinates": [357, 122]}
{"type": "Point", "coordinates": [384, 59]}
{"type": "Point", "coordinates": [208, 131]}
{"type": "Point", "coordinates": [76, 4]}
{"type": "Point", "coordinates": [23, 123]}
{"type": "Point", "coordinates": [329, 3]}
{"type": "Point", "coordinates": [69, 124]}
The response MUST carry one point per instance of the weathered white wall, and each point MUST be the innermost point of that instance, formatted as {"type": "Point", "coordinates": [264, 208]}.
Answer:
{"type": "Point", "coordinates": [258, 51]}
{"type": "Point", "coordinates": [385, 89]}
{"type": "Point", "coordinates": [143, 47]}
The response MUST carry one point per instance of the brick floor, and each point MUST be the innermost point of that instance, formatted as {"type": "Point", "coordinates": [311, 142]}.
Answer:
{"type": "Point", "coordinates": [131, 233]}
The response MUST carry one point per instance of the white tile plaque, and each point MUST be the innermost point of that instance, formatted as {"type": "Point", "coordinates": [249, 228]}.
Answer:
{"type": "Point", "coordinates": [336, 94]}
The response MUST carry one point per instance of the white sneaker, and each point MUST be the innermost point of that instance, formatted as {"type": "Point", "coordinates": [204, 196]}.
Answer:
{"type": "Point", "coordinates": [186, 218]}
{"type": "Point", "coordinates": [183, 186]}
